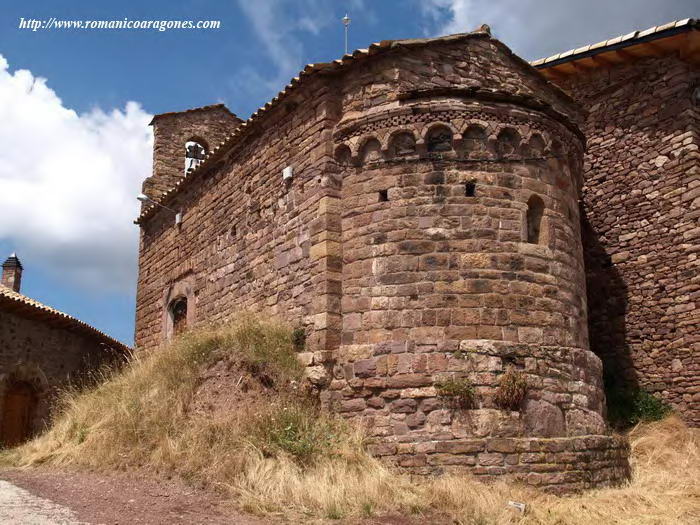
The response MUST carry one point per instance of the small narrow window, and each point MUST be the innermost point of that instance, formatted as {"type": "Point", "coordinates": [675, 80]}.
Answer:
{"type": "Point", "coordinates": [194, 155]}
{"type": "Point", "coordinates": [178, 311]}
{"type": "Point", "coordinates": [535, 210]}
{"type": "Point", "coordinates": [383, 195]}
{"type": "Point", "coordinates": [470, 188]}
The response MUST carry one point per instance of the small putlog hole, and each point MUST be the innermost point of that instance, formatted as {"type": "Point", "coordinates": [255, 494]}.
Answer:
{"type": "Point", "coordinates": [470, 188]}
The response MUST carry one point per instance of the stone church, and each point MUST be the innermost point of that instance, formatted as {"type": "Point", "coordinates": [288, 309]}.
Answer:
{"type": "Point", "coordinates": [41, 351]}
{"type": "Point", "coordinates": [434, 212]}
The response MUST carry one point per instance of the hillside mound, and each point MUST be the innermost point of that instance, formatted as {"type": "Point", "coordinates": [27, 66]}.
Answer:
{"type": "Point", "coordinates": [225, 408]}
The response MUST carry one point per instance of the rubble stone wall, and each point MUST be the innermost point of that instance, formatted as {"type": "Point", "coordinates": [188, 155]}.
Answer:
{"type": "Point", "coordinates": [641, 234]}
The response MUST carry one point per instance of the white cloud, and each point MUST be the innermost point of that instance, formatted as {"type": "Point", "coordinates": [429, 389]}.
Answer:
{"type": "Point", "coordinates": [538, 28]}
{"type": "Point", "coordinates": [277, 25]}
{"type": "Point", "coordinates": [68, 183]}
{"type": "Point", "coordinates": [450, 16]}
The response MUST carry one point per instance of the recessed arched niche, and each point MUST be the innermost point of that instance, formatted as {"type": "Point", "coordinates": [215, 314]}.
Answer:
{"type": "Point", "coordinates": [402, 144]}
{"type": "Point", "coordinates": [535, 147]}
{"type": "Point", "coordinates": [343, 155]}
{"type": "Point", "coordinates": [507, 142]}
{"type": "Point", "coordinates": [474, 139]}
{"type": "Point", "coordinates": [557, 149]}
{"type": "Point", "coordinates": [439, 139]}
{"type": "Point", "coordinates": [371, 151]}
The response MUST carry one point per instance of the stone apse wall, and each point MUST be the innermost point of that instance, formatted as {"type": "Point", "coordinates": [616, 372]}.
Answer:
{"type": "Point", "coordinates": [46, 357]}
{"type": "Point", "coordinates": [642, 240]}
{"type": "Point", "coordinates": [401, 244]}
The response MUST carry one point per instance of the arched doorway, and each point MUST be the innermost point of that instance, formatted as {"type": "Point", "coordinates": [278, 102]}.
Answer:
{"type": "Point", "coordinates": [18, 407]}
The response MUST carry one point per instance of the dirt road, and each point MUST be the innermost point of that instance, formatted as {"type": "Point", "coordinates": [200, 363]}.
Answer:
{"type": "Point", "coordinates": [48, 497]}
{"type": "Point", "coordinates": [19, 507]}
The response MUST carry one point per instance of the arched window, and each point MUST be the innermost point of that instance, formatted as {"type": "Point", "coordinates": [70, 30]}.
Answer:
{"type": "Point", "coordinates": [178, 313]}
{"type": "Point", "coordinates": [18, 410]}
{"type": "Point", "coordinates": [439, 139]}
{"type": "Point", "coordinates": [535, 210]}
{"type": "Point", "coordinates": [194, 155]}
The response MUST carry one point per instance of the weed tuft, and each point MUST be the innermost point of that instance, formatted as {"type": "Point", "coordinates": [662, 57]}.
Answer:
{"type": "Point", "coordinates": [512, 389]}
{"type": "Point", "coordinates": [458, 391]}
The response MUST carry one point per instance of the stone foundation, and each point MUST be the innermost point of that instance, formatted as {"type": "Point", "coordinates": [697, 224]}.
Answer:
{"type": "Point", "coordinates": [392, 392]}
{"type": "Point", "coordinates": [557, 465]}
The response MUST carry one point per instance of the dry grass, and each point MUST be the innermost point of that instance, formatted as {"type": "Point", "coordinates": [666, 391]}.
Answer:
{"type": "Point", "coordinates": [279, 455]}
{"type": "Point", "coordinates": [512, 388]}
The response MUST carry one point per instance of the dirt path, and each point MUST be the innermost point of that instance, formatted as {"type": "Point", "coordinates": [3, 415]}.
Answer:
{"type": "Point", "coordinates": [53, 497]}
{"type": "Point", "coordinates": [19, 507]}
{"type": "Point", "coordinates": [48, 497]}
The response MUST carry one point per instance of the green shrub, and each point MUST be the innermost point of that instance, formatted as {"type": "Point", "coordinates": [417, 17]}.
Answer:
{"type": "Point", "coordinates": [458, 391]}
{"type": "Point", "coordinates": [627, 407]}
{"type": "Point", "coordinates": [299, 338]}
{"type": "Point", "coordinates": [297, 428]}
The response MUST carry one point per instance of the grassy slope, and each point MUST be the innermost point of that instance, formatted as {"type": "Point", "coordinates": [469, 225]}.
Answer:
{"type": "Point", "coordinates": [275, 452]}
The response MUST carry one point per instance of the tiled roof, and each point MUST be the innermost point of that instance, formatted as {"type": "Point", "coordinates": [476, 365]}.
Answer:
{"type": "Point", "coordinates": [633, 38]}
{"type": "Point", "coordinates": [27, 307]}
{"type": "Point", "coordinates": [192, 110]}
{"type": "Point", "coordinates": [311, 70]}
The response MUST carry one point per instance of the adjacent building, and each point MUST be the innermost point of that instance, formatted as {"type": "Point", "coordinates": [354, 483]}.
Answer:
{"type": "Point", "coordinates": [641, 205]}
{"type": "Point", "coordinates": [41, 351]}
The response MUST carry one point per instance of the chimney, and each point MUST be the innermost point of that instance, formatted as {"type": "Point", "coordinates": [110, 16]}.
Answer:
{"type": "Point", "coordinates": [12, 273]}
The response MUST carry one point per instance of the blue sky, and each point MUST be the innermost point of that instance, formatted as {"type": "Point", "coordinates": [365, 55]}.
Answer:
{"type": "Point", "coordinates": [79, 144]}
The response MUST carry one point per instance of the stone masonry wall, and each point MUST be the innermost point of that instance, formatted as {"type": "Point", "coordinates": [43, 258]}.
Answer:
{"type": "Point", "coordinates": [247, 237]}
{"type": "Point", "coordinates": [641, 232]}
{"type": "Point", "coordinates": [46, 357]}
{"type": "Point", "coordinates": [402, 245]}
